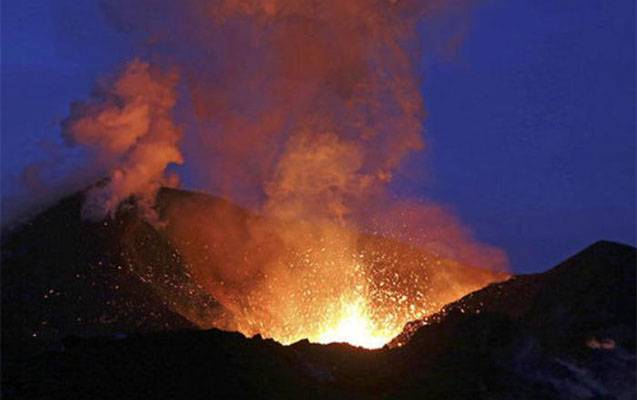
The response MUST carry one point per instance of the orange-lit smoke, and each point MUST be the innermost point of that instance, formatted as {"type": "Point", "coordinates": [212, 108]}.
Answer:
{"type": "Point", "coordinates": [301, 110]}
{"type": "Point", "coordinates": [128, 125]}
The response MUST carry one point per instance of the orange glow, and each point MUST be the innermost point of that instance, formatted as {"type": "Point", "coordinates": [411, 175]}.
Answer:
{"type": "Point", "coordinates": [354, 325]}
{"type": "Point", "coordinates": [318, 281]}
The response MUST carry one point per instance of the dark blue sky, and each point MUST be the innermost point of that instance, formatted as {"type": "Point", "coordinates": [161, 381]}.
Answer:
{"type": "Point", "coordinates": [530, 129]}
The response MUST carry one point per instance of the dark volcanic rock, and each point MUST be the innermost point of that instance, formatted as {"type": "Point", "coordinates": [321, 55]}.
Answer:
{"type": "Point", "coordinates": [64, 276]}
{"type": "Point", "coordinates": [564, 334]}
{"type": "Point", "coordinates": [589, 295]}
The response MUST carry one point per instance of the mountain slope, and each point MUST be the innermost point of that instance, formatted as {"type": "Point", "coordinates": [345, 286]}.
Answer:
{"type": "Point", "coordinates": [565, 333]}
{"type": "Point", "coordinates": [65, 276]}
{"type": "Point", "coordinates": [584, 295]}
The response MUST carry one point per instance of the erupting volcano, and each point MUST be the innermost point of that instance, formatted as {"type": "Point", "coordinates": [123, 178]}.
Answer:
{"type": "Point", "coordinates": [303, 113]}
{"type": "Point", "coordinates": [253, 202]}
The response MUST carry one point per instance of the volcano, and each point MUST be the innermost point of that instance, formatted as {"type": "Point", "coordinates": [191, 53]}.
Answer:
{"type": "Point", "coordinates": [114, 309]}
{"type": "Point", "coordinates": [66, 276]}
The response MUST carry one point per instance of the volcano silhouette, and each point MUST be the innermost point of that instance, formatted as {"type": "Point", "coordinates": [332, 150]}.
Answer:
{"type": "Point", "coordinates": [107, 310]}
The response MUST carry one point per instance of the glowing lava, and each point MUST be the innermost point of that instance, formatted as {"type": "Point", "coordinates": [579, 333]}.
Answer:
{"type": "Point", "coordinates": [354, 325]}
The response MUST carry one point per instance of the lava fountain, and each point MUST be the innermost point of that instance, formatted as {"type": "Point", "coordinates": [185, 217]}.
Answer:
{"type": "Point", "coordinates": [353, 324]}
{"type": "Point", "coordinates": [312, 280]}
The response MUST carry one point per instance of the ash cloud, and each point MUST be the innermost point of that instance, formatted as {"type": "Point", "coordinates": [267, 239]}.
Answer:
{"type": "Point", "coordinates": [265, 75]}
{"type": "Point", "coordinates": [266, 79]}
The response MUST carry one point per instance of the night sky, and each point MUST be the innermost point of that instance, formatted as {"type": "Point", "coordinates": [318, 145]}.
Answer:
{"type": "Point", "coordinates": [531, 121]}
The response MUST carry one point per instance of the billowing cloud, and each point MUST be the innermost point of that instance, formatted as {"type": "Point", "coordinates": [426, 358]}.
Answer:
{"type": "Point", "coordinates": [128, 125]}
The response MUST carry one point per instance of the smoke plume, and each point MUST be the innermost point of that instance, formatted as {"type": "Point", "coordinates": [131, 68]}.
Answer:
{"type": "Point", "coordinates": [128, 126]}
